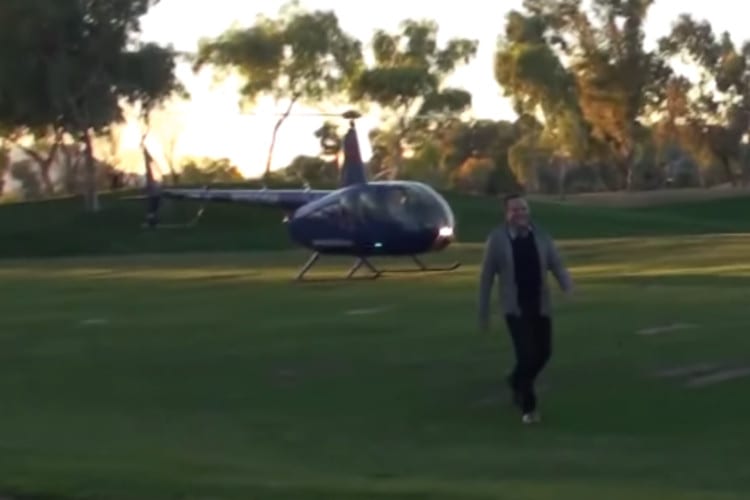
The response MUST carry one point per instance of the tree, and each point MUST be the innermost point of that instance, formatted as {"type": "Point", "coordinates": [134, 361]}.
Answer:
{"type": "Point", "coordinates": [168, 128]}
{"type": "Point", "coordinates": [22, 116]}
{"type": "Point", "coordinates": [475, 175]}
{"type": "Point", "coordinates": [587, 73]}
{"type": "Point", "coordinates": [4, 164]}
{"type": "Point", "coordinates": [150, 81]}
{"type": "Point", "coordinates": [73, 75]}
{"type": "Point", "coordinates": [528, 152]}
{"type": "Point", "coordinates": [42, 150]}
{"type": "Point", "coordinates": [23, 173]}
{"type": "Point", "coordinates": [311, 170]}
{"type": "Point", "coordinates": [108, 146]}
{"type": "Point", "coordinates": [710, 118]}
{"type": "Point", "coordinates": [408, 80]}
{"type": "Point", "coordinates": [465, 149]}
{"type": "Point", "coordinates": [620, 81]}
{"type": "Point", "coordinates": [209, 171]}
{"type": "Point", "coordinates": [544, 91]}
{"type": "Point", "coordinates": [300, 56]}
{"type": "Point", "coordinates": [330, 141]}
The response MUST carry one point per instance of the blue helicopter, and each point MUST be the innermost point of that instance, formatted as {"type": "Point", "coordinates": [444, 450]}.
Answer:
{"type": "Point", "coordinates": [360, 219]}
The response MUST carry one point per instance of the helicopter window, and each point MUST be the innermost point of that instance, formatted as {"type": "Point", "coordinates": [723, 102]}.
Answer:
{"type": "Point", "coordinates": [417, 206]}
{"type": "Point", "coordinates": [349, 201]}
{"type": "Point", "coordinates": [421, 204]}
{"type": "Point", "coordinates": [369, 205]}
{"type": "Point", "coordinates": [396, 203]}
{"type": "Point", "coordinates": [382, 204]}
{"type": "Point", "coordinates": [410, 206]}
{"type": "Point", "coordinates": [325, 210]}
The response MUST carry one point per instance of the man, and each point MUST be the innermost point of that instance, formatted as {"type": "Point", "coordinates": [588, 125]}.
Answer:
{"type": "Point", "coordinates": [521, 253]}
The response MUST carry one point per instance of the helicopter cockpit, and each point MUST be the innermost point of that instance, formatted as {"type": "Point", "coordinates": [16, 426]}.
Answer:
{"type": "Point", "coordinates": [403, 207]}
{"type": "Point", "coordinates": [397, 217]}
{"type": "Point", "coordinates": [413, 206]}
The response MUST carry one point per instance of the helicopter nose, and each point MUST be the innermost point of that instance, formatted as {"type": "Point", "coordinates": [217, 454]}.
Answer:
{"type": "Point", "coordinates": [445, 232]}
{"type": "Point", "coordinates": [443, 238]}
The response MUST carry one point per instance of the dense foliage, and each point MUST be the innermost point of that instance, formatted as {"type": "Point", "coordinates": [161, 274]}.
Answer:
{"type": "Point", "coordinates": [597, 109]}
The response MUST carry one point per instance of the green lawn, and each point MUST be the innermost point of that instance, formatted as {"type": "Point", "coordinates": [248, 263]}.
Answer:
{"type": "Point", "coordinates": [173, 377]}
{"type": "Point", "coordinates": [61, 228]}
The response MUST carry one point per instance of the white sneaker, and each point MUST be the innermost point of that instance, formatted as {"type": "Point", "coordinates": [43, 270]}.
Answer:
{"type": "Point", "coordinates": [531, 418]}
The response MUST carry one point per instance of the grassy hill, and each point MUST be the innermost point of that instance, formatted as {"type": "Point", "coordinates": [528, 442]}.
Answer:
{"type": "Point", "coordinates": [62, 228]}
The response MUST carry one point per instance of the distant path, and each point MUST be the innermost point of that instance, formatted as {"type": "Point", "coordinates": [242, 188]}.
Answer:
{"type": "Point", "coordinates": [624, 199]}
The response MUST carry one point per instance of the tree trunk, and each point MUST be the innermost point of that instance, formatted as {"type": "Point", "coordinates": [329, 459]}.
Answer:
{"type": "Point", "coordinates": [45, 164]}
{"type": "Point", "coordinates": [397, 159]}
{"type": "Point", "coordinates": [70, 172]}
{"type": "Point", "coordinates": [701, 176]}
{"type": "Point", "coordinates": [148, 163]}
{"type": "Point", "coordinates": [561, 179]}
{"type": "Point", "coordinates": [627, 167]}
{"type": "Point", "coordinates": [276, 127]}
{"type": "Point", "coordinates": [726, 163]}
{"type": "Point", "coordinates": [4, 164]}
{"type": "Point", "coordinates": [172, 174]}
{"type": "Point", "coordinates": [91, 195]}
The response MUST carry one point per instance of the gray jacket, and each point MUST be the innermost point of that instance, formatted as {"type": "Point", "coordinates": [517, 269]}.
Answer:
{"type": "Point", "coordinates": [498, 261]}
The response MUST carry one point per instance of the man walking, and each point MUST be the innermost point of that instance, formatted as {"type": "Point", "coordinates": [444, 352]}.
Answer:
{"type": "Point", "coordinates": [521, 253]}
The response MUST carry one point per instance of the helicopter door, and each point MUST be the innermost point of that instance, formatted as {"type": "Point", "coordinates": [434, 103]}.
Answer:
{"type": "Point", "coordinates": [376, 222]}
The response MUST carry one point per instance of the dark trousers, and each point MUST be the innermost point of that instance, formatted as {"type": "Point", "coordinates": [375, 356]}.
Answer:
{"type": "Point", "coordinates": [532, 342]}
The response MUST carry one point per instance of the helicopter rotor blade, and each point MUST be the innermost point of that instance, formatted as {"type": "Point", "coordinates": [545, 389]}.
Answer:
{"type": "Point", "coordinates": [349, 115]}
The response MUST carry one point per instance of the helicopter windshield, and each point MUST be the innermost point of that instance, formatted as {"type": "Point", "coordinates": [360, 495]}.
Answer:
{"type": "Point", "coordinates": [415, 206]}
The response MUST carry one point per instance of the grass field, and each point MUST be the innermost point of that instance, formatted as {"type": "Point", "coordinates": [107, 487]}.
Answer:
{"type": "Point", "coordinates": [212, 376]}
{"type": "Point", "coordinates": [60, 228]}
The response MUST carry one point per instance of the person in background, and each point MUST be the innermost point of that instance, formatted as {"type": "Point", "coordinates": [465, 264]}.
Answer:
{"type": "Point", "coordinates": [520, 253]}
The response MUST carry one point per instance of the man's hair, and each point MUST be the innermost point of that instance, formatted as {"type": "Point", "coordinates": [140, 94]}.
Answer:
{"type": "Point", "coordinates": [509, 197]}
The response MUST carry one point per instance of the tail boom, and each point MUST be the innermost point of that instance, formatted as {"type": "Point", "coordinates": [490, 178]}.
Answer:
{"type": "Point", "coordinates": [286, 199]}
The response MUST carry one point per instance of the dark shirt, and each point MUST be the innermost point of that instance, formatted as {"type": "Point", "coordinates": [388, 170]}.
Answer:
{"type": "Point", "coordinates": [528, 273]}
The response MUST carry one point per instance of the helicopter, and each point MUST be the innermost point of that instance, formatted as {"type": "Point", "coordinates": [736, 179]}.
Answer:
{"type": "Point", "coordinates": [362, 219]}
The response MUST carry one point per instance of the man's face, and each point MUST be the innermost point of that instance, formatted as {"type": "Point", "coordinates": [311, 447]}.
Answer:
{"type": "Point", "coordinates": [517, 212]}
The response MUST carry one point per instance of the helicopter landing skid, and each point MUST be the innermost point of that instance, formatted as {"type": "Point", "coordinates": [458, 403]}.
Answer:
{"type": "Point", "coordinates": [424, 268]}
{"type": "Point", "coordinates": [374, 271]}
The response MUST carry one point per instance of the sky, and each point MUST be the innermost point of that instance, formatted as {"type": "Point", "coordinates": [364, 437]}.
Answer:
{"type": "Point", "coordinates": [212, 124]}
